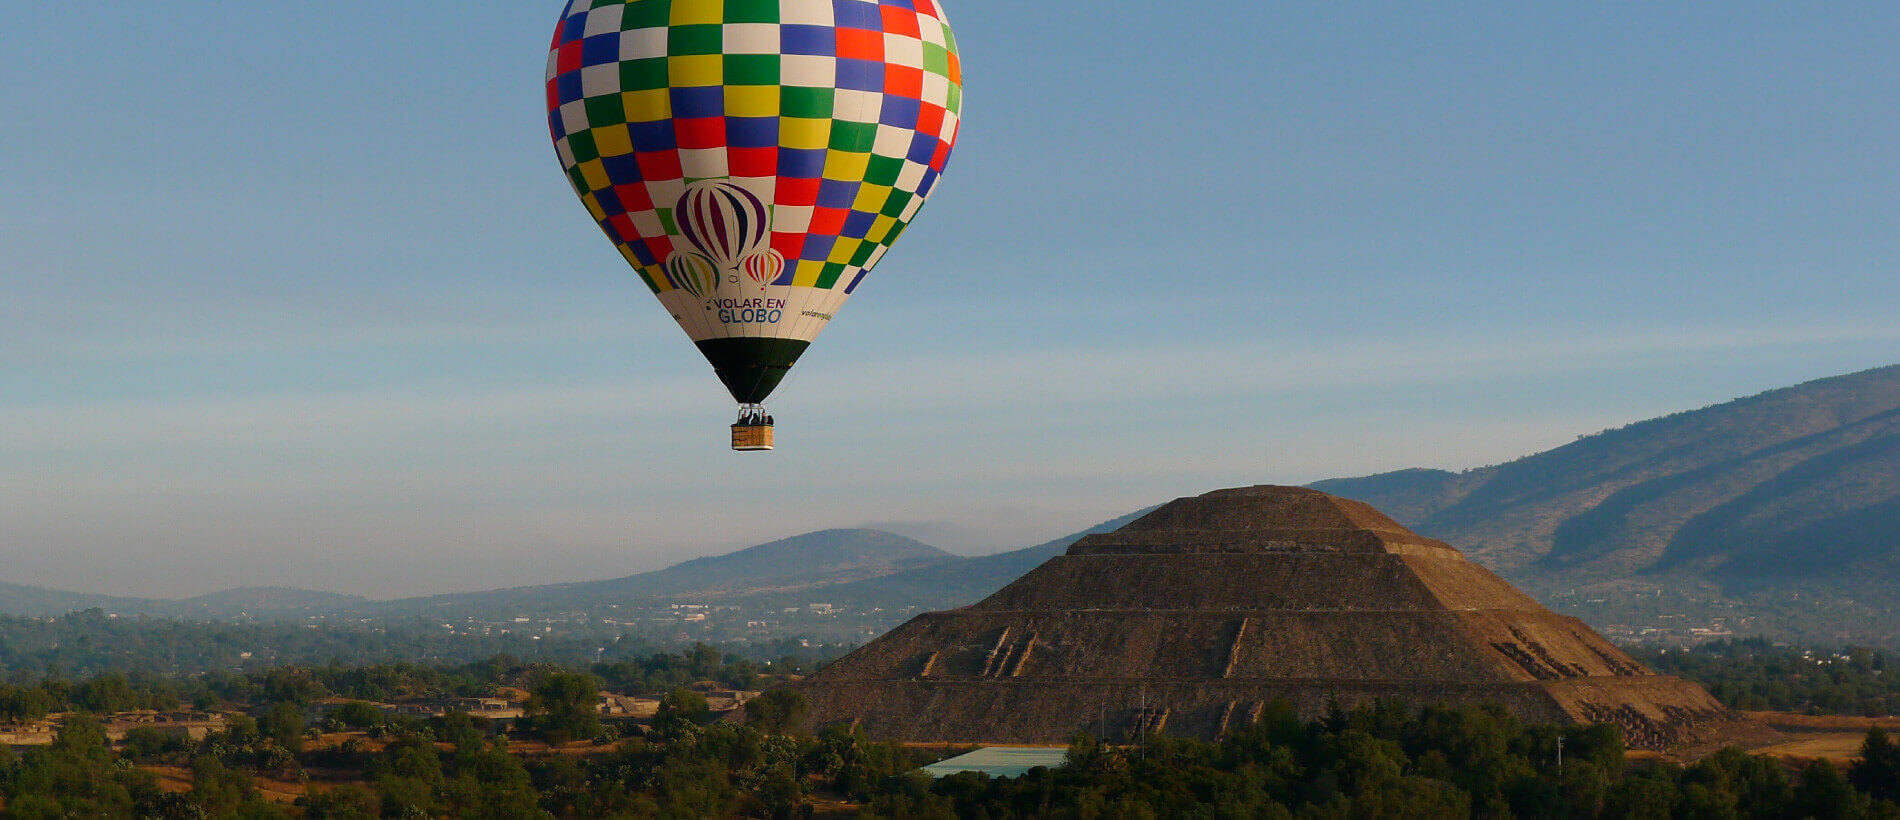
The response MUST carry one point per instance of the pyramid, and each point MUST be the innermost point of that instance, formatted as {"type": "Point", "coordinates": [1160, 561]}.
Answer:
{"type": "Point", "coordinates": [1188, 621]}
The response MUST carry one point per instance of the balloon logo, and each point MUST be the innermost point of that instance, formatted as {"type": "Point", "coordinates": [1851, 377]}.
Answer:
{"type": "Point", "coordinates": [692, 273]}
{"type": "Point", "coordinates": [764, 268]}
{"type": "Point", "coordinates": [724, 221]}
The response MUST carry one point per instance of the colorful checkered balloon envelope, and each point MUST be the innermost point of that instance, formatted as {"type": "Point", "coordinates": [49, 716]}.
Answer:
{"type": "Point", "coordinates": [753, 159]}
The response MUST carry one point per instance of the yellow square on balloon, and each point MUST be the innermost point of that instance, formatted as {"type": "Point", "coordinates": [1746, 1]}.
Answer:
{"type": "Point", "coordinates": [696, 70]}
{"type": "Point", "coordinates": [595, 174]}
{"type": "Point", "coordinates": [846, 166]}
{"type": "Point", "coordinates": [613, 141]}
{"type": "Point", "coordinates": [697, 12]}
{"type": "Point", "coordinates": [880, 230]}
{"type": "Point", "coordinates": [807, 273]}
{"type": "Point", "coordinates": [651, 105]}
{"type": "Point", "coordinates": [752, 100]}
{"type": "Point", "coordinates": [803, 133]}
{"type": "Point", "coordinates": [871, 198]}
{"type": "Point", "coordinates": [842, 252]}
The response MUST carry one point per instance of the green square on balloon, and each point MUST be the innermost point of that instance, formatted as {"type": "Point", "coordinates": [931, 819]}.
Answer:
{"type": "Point", "coordinates": [751, 11]}
{"type": "Point", "coordinates": [605, 110]}
{"type": "Point", "coordinates": [702, 39]}
{"type": "Point", "coordinates": [883, 170]}
{"type": "Point", "coordinates": [895, 204]}
{"type": "Point", "coordinates": [829, 275]}
{"type": "Point", "coordinates": [581, 143]}
{"type": "Point", "coordinates": [643, 75]}
{"type": "Point", "coordinates": [936, 60]}
{"type": "Point", "coordinates": [852, 136]}
{"type": "Point", "coordinates": [646, 14]}
{"type": "Point", "coordinates": [752, 69]}
{"type": "Point", "coordinates": [806, 103]}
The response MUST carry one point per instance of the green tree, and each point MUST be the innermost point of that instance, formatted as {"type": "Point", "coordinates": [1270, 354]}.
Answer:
{"type": "Point", "coordinates": [566, 707]}
{"type": "Point", "coordinates": [76, 776]}
{"type": "Point", "coordinates": [346, 802]}
{"type": "Point", "coordinates": [680, 711]}
{"type": "Point", "coordinates": [358, 715]}
{"type": "Point", "coordinates": [219, 789]}
{"type": "Point", "coordinates": [1825, 795]}
{"type": "Point", "coordinates": [145, 744]}
{"type": "Point", "coordinates": [284, 724]}
{"type": "Point", "coordinates": [780, 711]}
{"type": "Point", "coordinates": [1877, 772]}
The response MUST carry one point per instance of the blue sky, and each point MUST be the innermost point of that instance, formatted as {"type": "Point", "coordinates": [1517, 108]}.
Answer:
{"type": "Point", "coordinates": [296, 293]}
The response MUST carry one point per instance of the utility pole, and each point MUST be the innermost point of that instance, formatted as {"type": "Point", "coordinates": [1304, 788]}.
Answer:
{"type": "Point", "coordinates": [1560, 754]}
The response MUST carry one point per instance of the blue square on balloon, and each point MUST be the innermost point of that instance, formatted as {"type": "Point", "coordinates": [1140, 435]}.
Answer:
{"type": "Point", "coordinates": [609, 201]}
{"type": "Point", "coordinates": [569, 86]}
{"type": "Point", "coordinates": [600, 49]}
{"type": "Point", "coordinates": [574, 28]}
{"type": "Point", "coordinates": [854, 282]}
{"type": "Point", "coordinates": [622, 169]}
{"type": "Point", "coordinates": [901, 111]}
{"type": "Point", "coordinates": [834, 193]}
{"type": "Point", "coordinates": [798, 39]}
{"type": "Point", "coordinates": [817, 247]}
{"type": "Point", "coordinates": [907, 5]}
{"type": "Point", "coordinates": [699, 101]}
{"type": "Point", "coordinates": [801, 163]}
{"type": "Point", "coordinates": [922, 148]}
{"type": "Point", "coordinates": [858, 224]}
{"type": "Point", "coordinates": [857, 14]}
{"type": "Point", "coordinates": [930, 178]}
{"type": "Point", "coordinates": [652, 136]}
{"type": "Point", "coordinates": [641, 252]}
{"type": "Point", "coordinates": [556, 125]}
{"type": "Point", "coordinates": [860, 75]}
{"type": "Point", "coordinates": [752, 132]}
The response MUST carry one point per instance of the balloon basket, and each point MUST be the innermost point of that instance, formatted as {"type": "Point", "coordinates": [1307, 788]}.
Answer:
{"type": "Point", "coordinates": [748, 437]}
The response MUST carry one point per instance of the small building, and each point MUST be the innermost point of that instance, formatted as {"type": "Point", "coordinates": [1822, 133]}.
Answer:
{"type": "Point", "coordinates": [1001, 761]}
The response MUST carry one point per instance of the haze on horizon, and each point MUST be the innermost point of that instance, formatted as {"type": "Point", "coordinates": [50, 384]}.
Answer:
{"type": "Point", "coordinates": [297, 295]}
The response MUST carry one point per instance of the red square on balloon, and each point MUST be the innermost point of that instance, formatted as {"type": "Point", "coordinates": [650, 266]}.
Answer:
{"type": "Point", "coordinates": [700, 132]}
{"type": "Point", "coordinates": [828, 221]}
{"type": "Point", "coordinates": [752, 162]}
{"type": "Point", "coordinates": [859, 44]}
{"type": "Point", "coordinates": [898, 20]}
{"type": "Point", "coordinates": [660, 246]}
{"type": "Point", "coordinates": [798, 192]}
{"type": "Point", "coordinates": [904, 81]}
{"type": "Point", "coordinates": [657, 166]}
{"type": "Point", "coordinates": [788, 245]}
{"type": "Point", "coordinates": [568, 58]}
{"type": "Point", "coordinates": [623, 229]}
{"type": "Point", "coordinates": [633, 198]}
{"type": "Point", "coordinates": [930, 120]}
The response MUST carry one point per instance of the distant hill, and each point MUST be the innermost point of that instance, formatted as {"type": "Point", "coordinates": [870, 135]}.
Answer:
{"type": "Point", "coordinates": [813, 560]}
{"type": "Point", "coordinates": [258, 602]}
{"type": "Point", "coordinates": [853, 567]}
{"type": "Point", "coordinates": [254, 602]}
{"type": "Point", "coordinates": [40, 602]}
{"type": "Point", "coordinates": [1790, 491]}
{"type": "Point", "coordinates": [966, 580]}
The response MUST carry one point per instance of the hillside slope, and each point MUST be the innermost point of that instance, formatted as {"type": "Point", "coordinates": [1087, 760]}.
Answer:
{"type": "Point", "coordinates": [1797, 488]}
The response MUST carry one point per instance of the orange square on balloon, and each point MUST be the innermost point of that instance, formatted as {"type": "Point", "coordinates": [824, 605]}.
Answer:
{"type": "Point", "coordinates": [859, 44]}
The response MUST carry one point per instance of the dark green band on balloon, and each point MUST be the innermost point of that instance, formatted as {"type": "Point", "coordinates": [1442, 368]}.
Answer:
{"type": "Point", "coordinates": [751, 368]}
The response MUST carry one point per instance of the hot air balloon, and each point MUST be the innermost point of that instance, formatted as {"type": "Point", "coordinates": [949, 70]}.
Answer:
{"type": "Point", "coordinates": [753, 159]}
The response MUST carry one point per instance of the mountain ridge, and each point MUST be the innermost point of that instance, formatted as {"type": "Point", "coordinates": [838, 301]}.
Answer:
{"type": "Point", "coordinates": [1746, 500]}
